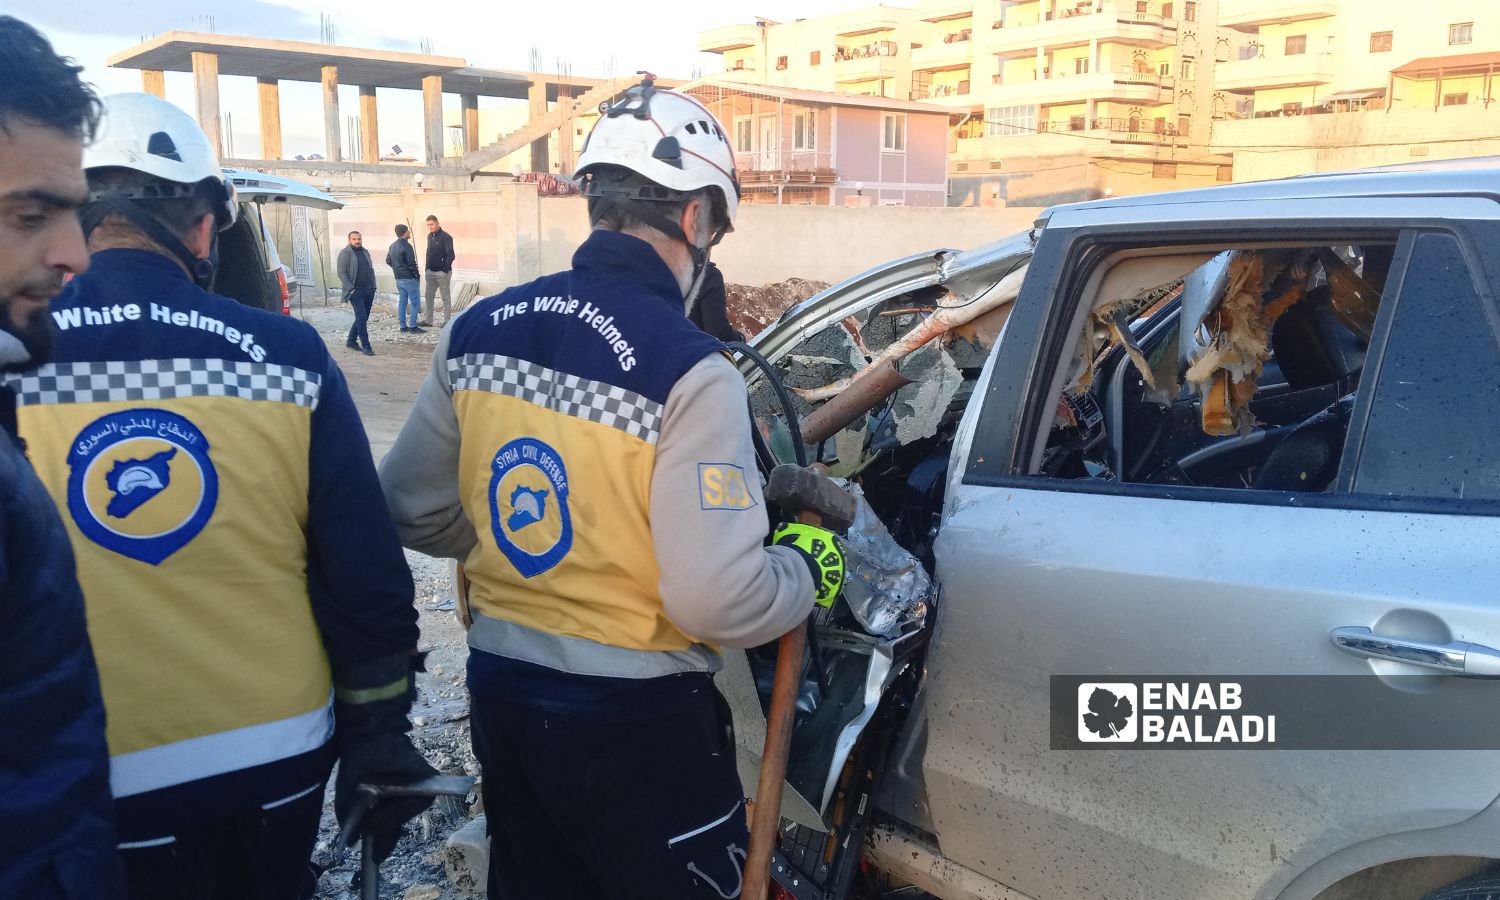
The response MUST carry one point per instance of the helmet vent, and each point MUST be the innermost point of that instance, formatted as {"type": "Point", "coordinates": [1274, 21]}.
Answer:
{"type": "Point", "coordinates": [690, 128]}
{"type": "Point", "coordinates": [161, 144]}
{"type": "Point", "coordinates": [669, 151]}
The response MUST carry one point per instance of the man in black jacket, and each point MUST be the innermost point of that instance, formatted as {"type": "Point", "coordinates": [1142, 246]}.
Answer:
{"type": "Point", "coordinates": [357, 278]}
{"type": "Point", "coordinates": [439, 270]}
{"type": "Point", "coordinates": [403, 262]}
{"type": "Point", "coordinates": [57, 833]}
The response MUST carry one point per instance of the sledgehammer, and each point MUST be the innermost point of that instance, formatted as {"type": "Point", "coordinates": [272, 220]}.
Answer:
{"type": "Point", "coordinates": [816, 501]}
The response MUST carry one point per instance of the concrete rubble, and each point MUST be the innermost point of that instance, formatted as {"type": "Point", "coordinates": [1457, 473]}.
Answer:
{"type": "Point", "coordinates": [466, 857]}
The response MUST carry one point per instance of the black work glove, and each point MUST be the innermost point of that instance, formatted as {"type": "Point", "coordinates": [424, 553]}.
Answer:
{"type": "Point", "coordinates": [372, 699]}
{"type": "Point", "coordinates": [385, 758]}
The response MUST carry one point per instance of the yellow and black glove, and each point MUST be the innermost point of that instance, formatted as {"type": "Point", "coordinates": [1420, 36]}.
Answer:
{"type": "Point", "coordinates": [820, 548]}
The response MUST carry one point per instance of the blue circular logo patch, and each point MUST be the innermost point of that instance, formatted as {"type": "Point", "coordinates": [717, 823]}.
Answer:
{"type": "Point", "coordinates": [140, 483]}
{"type": "Point", "coordinates": [529, 506]}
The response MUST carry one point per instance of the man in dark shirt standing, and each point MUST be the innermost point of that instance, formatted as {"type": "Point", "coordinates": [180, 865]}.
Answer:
{"type": "Point", "coordinates": [357, 278]}
{"type": "Point", "coordinates": [403, 262]}
{"type": "Point", "coordinates": [439, 270]}
{"type": "Point", "coordinates": [57, 834]}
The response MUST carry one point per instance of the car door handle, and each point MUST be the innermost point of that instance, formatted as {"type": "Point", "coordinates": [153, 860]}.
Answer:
{"type": "Point", "coordinates": [1460, 659]}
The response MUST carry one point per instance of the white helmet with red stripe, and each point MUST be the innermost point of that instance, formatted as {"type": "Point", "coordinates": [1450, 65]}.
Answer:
{"type": "Point", "coordinates": [669, 139]}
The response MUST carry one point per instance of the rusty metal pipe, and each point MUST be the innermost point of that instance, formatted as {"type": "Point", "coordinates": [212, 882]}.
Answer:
{"type": "Point", "coordinates": [863, 394]}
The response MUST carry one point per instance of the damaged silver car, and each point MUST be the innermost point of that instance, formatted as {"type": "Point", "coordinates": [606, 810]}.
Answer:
{"type": "Point", "coordinates": [1247, 430]}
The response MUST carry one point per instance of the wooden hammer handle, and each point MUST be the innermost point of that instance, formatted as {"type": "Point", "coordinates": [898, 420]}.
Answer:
{"type": "Point", "coordinates": [766, 820]}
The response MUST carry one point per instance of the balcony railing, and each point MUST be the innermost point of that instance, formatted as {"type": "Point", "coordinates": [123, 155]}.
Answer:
{"type": "Point", "coordinates": [1124, 76]}
{"type": "Point", "coordinates": [941, 90]}
{"type": "Point", "coordinates": [785, 166]}
{"type": "Point", "coordinates": [865, 51]}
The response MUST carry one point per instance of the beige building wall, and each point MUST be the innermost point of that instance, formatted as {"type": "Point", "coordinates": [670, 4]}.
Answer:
{"type": "Point", "coordinates": [1297, 145]}
{"type": "Point", "coordinates": [1347, 45]}
{"type": "Point", "coordinates": [1089, 84]}
{"type": "Point", "coordinates": [1288, 119]}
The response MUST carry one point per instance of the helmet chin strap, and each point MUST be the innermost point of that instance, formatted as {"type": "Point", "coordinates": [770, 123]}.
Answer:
{"type": "Point", "coordinates": [700, 270]}
{"type": "Point", "coordinates": [101, 206]}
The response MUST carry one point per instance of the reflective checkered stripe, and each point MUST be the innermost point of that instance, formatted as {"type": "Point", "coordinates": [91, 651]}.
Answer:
{"type": "Point", "coordinates": [570, 395]}
{"type": "Point", "coordinates": [123, 381]}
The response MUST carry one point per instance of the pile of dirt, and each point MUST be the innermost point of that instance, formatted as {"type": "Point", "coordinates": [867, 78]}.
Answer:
{"type": "Point", "coordinates": [751, 309]}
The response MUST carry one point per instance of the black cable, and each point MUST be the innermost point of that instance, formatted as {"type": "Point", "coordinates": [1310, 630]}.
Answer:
{"type": "Point", "coordinates": [799, 449]}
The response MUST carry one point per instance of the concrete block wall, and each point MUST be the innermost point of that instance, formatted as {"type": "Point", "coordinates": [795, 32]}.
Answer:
{"type": "Point", "coordinates": [508, 235]}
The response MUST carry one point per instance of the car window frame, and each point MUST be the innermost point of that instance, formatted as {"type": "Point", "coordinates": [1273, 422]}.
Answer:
{"type": "Point", "coordinates": [1009, 424]}
{"type": "Point", "coordinates": [1487, 291]}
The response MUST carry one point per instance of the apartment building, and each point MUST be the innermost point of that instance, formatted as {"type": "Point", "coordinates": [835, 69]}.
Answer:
{"type": "Point", "coordinates": [1049, 100]}
{"type": "Point", "coordinates": [1319, 85]}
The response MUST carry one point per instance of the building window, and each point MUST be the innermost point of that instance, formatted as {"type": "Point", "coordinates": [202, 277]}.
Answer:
{"type": "Point", "coordinates": [781, 63]}
{"type": "Point", "coordinates": [814, 58]}
{"type": "Point", "coordinates": [1190, 11]}
{"type": "Point", "coordinates": [1081, 66]}
{"type": "Point", "coordinates": [1461, 33]}
{"type": "Point", "coordinates": [1456, 99]}
{"type": "Point", "coordinates": [1164, 69]}
{"type": "Point", "coordinates": [1380, 42]}
{"type": "Point", "coordinates": [1187, 70]}
{"type": "Point", "coordinates": [1008, 120]}
{"type": "Point", "coordinates": [1184, 125]}
{"type": "Point", "coordinates": [1166, 10]}
{"type": "Point", "coordinates": [893, 132]}
{"type": "Point", "coordinates": [743, 135]}
{"type": "Point", "coordinates": [1296, 44]}
{"type": "Point", "coordinates": [804, 130]}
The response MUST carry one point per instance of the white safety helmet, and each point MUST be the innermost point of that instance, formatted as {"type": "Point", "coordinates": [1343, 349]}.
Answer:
{"type": "Point", "coordinates": [146, 134]}
{"type": "Point", "coordinates": [667, 138]}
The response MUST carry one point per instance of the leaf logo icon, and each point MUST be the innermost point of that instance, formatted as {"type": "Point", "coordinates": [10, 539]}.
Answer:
{"type": "Point", "coordinates": [1107, 712]}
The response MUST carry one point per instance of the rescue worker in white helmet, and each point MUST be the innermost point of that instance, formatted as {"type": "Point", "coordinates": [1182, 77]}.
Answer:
{"type": "Point", "coordinates": [250, 606]}
{"type": "Point", "coordinates": [585, 450]}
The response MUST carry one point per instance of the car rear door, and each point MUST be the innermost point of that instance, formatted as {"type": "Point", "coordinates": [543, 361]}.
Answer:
{"type": "Point", "coordinates": [1046, 576]}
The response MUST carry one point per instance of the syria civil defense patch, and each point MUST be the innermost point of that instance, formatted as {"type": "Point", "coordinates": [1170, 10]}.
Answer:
{"type": "Point", "coordinates": [529, 514]}
{"type": "Point", "coordinates": [141, 483]}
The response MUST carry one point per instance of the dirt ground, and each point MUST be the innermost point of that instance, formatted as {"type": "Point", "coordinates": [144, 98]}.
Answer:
{"type": "Point", "coordinates": [384, 387]}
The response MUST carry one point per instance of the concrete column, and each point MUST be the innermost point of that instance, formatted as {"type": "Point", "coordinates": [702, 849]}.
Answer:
{"type": "Point", "coordinates": [369, 126]}
{"type": "Point", "coordinates": [331, 124]}
{"type": "Point", "coordinates": [1095, 65]}
{"type": "Point", "coordinates": [154, 81]}
{"type": "Point", "coordinates": [269, 90]}
{"type": "Point", "coordinates": [432, 115]}
{"type": "Point", "coordinates": [206, 86]}
{"type": "Point", "coordinates": [470, 104]}
{"type": "Point", "coordinates": [537, 97]}
{"type": "Point", "coordinates": [1041, 62]}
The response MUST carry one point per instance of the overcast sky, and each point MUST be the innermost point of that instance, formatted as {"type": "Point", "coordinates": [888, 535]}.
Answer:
{"type": "Point", "coordinates": [592, 36]}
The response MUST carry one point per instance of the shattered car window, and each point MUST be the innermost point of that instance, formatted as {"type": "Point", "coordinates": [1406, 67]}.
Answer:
{"type": "Point", "coordinates": [1239, 372]}
{"type": "Point", "coordinates": [877, 396]}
